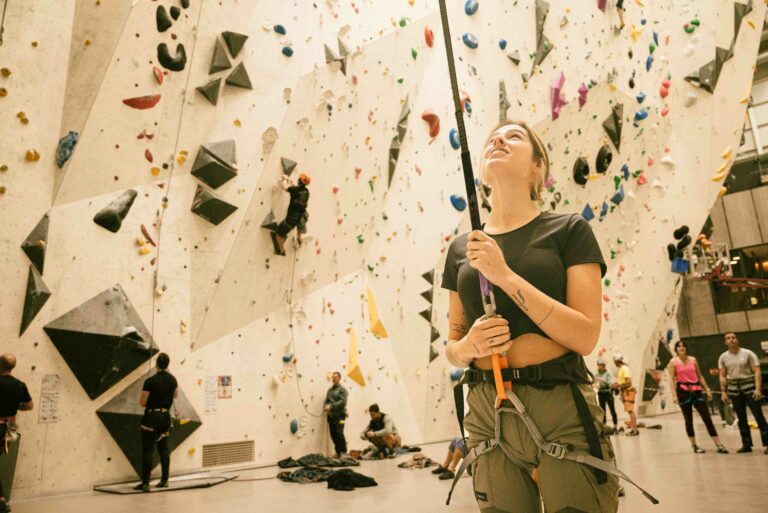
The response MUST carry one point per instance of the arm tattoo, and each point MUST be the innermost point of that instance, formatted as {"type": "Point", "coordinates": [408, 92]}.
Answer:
{"type": "Point", "coordinates": [460, 328]}
{"type": "Point", "coordinates": [519, 300]}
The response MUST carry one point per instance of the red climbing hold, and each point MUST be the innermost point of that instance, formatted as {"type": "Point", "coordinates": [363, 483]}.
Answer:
{"type": "Point", "coordinates": [429, 36]}
{"type": "Point", "coordinates": [142, 102]}
{"type": "Point", "coordinates": [159, 75]}
{"type": "Point", "coordinates": [434, 122]}
{"type": "Point", "coordinates": [148, 155]}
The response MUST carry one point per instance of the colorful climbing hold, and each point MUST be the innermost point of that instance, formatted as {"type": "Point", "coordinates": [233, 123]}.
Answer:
{"type": "Point", "coordinates": [470, 40]}
{"type": "Point", "coordinates": [503, 44]}
{"type": "Point", "coordinates": [294, 426]}
{"type": "Point", "coordinates": [280, 30]}
{"type": "Point", "coordinates": [429, 37]}
{"type": "Point", "coordinates": [142, 102]}
{"type": "Point", "coordinates": [458, 202]}
{"type": "Point", "coordinates": [453, 136]}
{"type": "Point", "coordinates": [287, 51]}
{"type": "Point", "coordinates": [433, 120]}
{"type": "Point", "coordinates": [471, 6]}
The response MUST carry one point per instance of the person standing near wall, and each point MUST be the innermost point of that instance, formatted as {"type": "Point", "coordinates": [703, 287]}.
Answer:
{"type": "Point", "coordinates": [157, 397]}
{"type": "Point", "coordinates": [14, 396]}
{"type": "Point", "coordinates": [740, 383]}
{"type": "Point", "coordinates": [628, 392]}
{"type": "Point", "coordinates": [687, 382]}
{"type": "Point", "coordinates": [336, 408]}
{"type": "Point", "coordinates": [604, 379]}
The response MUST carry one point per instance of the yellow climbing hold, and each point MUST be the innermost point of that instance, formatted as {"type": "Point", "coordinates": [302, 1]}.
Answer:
{"type": "Point", "coordinates": [722, 192]}
{"type": "Point", "coordinates": [722, 171]}
{"type": "Point", "coordinates": [727, 153]}
{"type": "Point", "coordinates": [635, 33]}
{"type": "Point", "coordinates": [32, 156]}
{"type": "Point", "coordinates": [377, 327]}
{"type": "Point", "coordinates": [155, 171]}
{"type": "Point", "coordinates": [353, 364]}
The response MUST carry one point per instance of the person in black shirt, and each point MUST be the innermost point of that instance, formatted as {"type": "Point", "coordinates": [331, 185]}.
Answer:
{"type": "Point", "coordinates": [14, 396]}
{"type": "Point", "coordinates": [297, 210]}
{"type": "Point", "coordinates": [157, 398]}
{"type": "Point", "coordinates": [336, 407]}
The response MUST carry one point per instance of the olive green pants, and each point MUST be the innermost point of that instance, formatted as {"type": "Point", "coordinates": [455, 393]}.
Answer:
{"type": "Point", "coordinates": [502, 485]}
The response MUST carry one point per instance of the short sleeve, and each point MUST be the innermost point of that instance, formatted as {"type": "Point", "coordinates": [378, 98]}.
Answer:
{"type": "Point", "coordinates": [451, 270]}
{"type": "Point", "coordinates": [581, 246]}
{"type": "Point", "coordinates": [721, 361]}
{"type": "Point", "coordinates": [752, 360]}
{"type": "Point", "coordinates": [25, 397]}
{"type": "Point", "coordinates": [147, 386]}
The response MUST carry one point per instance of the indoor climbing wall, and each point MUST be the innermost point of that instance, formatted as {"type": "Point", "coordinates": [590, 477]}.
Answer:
{"type": "Point", "coordinates": [141, 179]}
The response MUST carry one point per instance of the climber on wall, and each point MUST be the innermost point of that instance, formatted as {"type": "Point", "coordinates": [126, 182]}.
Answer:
{"type": "Point", "coordinates": [14, 396]}
{"type": "Point", "coordinates": [297, 211]}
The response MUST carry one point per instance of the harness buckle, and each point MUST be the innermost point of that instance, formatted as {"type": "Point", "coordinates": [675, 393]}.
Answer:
{"type": "Point", "coordinates": [536, 373]}
{"type": "Point", "coordinates": [556, 450]}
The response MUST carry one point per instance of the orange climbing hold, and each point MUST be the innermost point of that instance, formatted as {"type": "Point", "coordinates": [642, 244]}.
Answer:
{"type": "Point", "coordinates": [429, 36]}
{"type": "Point", "coordinates": [433, 120]}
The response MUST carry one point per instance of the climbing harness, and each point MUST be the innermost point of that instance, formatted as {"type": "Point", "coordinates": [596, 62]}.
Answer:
{"type": "Point", "coordinates": [561, 370]}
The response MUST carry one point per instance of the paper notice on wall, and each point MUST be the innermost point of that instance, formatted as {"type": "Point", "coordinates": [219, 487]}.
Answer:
{"type": "Point", "coordinates": [225, 387]}
{"type": "Point", "coordinates": [50, 399]}
{"type": "Point", "coordinates": [211, 401]}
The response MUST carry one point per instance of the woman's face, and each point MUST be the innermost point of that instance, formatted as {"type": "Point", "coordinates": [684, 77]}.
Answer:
{"type": "Point", "coordinates": [509, 158]}
{"type": "Point", "coordinates": [681, 351]}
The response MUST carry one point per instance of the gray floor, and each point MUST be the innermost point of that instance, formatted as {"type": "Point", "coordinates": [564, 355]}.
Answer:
{"type": "Point", "coordinates": [659, 460]}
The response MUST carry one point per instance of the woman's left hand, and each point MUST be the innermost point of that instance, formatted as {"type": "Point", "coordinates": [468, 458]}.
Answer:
{"type": "Point", "coordinates": [709, 395]}
{"type": "Point", "coordinates": [485, 255]}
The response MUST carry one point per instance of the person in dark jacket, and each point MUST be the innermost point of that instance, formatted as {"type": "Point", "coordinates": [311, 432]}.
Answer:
{"type": "Point", "coordinates": [336, 408]}
{"type": "Point", "coordinates": [297, 209]}
{"type": "Point", "coordinates": [381, 432]}
{"type": "Point", "coordinates": [14, 396]}
{"type": "Point", "coordinates": [157, 398]}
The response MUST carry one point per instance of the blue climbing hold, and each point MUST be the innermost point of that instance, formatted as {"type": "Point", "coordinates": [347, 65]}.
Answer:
{"type": "Point", "coordinates": [670, 334]}
{"type": "Point", "coordinates": [648, 63]}
{"type": "Point", "coordinates": [458, 202]}
{"type": "Point", "coordinates": [471, 7]}
{"type": "Point", "coordinates": [287, 358]}
{"type": "Point", "coordinates": [65, 148]}
{"type": "Point", "coordinates": [280, 29]}
{"type": "Point", "coordinates": [603, 211]}
{"type": "Point", "coordinates": [640, 97]}
{"type": "Point", "coordinates": [618, 197]}
{"type": "Point", "coordinates": [641, 115]}
{"type": "Point", "coordinates": [502, 44]}
{"type": "Point", "coordinates": [470, 40]}
{"type": "Point", "coordinates": [656, 38]}
{"type": "Point", "coordinates": [625, 172]}
{"type": "Point", "coordinates": [287, 51]}
{"type": "Point", "coordinates": [294, 426]}
{"type": "Point", "coordinates": [456, 374]}
{"type": "Point", "coordinates": [453, 135]}
{"type": "Point", "coordinates": [588, 213]}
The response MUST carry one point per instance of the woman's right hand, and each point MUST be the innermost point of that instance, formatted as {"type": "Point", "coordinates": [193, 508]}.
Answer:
{"type": "Point", "coordinates": [486, 337]}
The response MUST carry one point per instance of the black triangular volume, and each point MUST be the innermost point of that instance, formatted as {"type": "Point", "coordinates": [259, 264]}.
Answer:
{"type": "Point", "coordinates": [288, 165]}
{"type": "Point", "coordinates": [210, 91]}
{"type": "Point", "coordinates": [234, 41]}
{"type": "Point", "coordinates": [219, 59]}
{"type": "Point", "coordinates": [613, 125]}
{"type": "Point", "coordinates": [433, 353]}
{"type": "Point", "coordinates": [269, 222]}
{"type": "Point", "coordinates": [209, 207]}
{"type": "Point", "coordinates": [102, 340]}
{"type": "Point", "coordinates": [429, 276]}
{"type": "Point", "coordinates": [111, 217]}
{"type": "Point", "coordinates": [427, 314]}
{"type": "Point", "coordinates": [36, 243]}
{"type": "Point", "coordinates": [435, 335]}
{"type": "Point", "coordinates": [427, 294]}
{"type": "Point", "coordinates": [239, 77]}
{"type": "Point", "coordinates": [122, 418]}
{"type": "Point", "coordinates": [36, 296]}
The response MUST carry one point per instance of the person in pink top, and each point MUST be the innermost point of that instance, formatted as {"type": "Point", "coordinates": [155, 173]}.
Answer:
{"type": "Point", "coordinates": [687, 381]}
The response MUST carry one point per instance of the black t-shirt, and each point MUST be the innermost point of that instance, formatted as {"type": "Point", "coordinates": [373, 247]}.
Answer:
{"type": "Point", "coordinates": [539, 252]}
{"type": "Point", "coordinates": [13, 392]}
{"type": "Point", "coordinates": [161, 388]}
{"type": "Point", "coordinates": [299, 197]}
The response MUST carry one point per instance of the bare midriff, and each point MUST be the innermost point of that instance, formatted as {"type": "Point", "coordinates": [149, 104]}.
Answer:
{"type": "Point", "coordinates": [527, 349]}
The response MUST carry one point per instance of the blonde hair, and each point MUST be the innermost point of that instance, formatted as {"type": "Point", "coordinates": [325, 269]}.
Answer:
{"type": "Point", "coordinates": [540, 156]}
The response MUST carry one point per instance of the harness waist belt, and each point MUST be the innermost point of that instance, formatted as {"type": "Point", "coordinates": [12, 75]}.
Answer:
{"type": "Point", "coordinates": [566, 369]}
{"type": "Point", "coordinates": [161, 410]}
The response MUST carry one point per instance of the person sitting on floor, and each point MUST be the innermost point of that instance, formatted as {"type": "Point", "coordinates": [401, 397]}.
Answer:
{"type": "Point", "coordinates": [456, 451]}
{"type": "Point", "coordinates": [381, 432]}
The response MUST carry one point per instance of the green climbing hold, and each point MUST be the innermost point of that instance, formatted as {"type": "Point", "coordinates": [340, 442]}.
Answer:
{"type": "Point", "coordinates": [360, 239]}
{"type": "Point", "coordinates": [414, 53]}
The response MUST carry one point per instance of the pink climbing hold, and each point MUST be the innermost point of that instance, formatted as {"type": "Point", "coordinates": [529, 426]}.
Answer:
{"type": "Point", "coordinates": [556, 96]}
{"type": "Point", "coordinates": [583, 90]}
{"type": "Point", "coordinates": [158, 75]}
{"type": "Point", "coordinates": [601, 5]}
{"type": "Point", "coordinates": [433, 120]}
